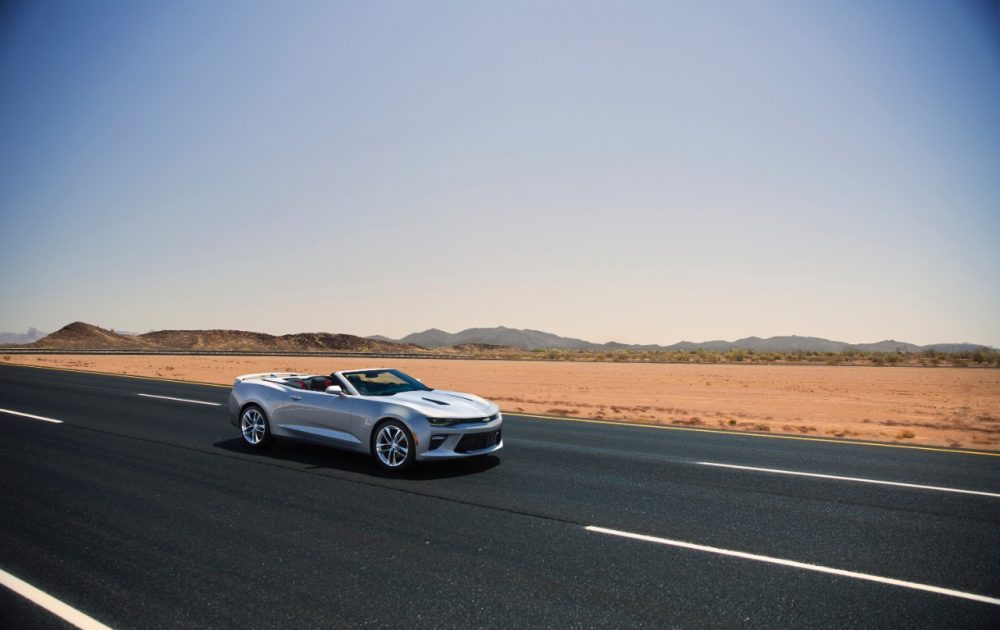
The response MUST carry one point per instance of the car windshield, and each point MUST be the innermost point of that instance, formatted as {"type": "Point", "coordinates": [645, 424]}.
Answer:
{"type": "Point", "coordinates": [384, 382]}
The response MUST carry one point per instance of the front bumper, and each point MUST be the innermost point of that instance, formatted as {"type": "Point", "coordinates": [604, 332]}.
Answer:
{"type": "Point", "coordinates": [461, 441]}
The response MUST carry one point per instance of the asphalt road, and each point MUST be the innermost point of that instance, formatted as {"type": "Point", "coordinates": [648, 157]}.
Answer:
{"type": "Point", "coordinates": [145, 512]}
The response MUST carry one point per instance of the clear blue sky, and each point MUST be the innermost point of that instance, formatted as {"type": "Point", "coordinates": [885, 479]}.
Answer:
{"type": "Point", "coordinates": [636, 171]}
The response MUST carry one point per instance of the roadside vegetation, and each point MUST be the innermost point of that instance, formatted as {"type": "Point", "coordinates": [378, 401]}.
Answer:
{"type": "Point", "coordinates": [930, 358]}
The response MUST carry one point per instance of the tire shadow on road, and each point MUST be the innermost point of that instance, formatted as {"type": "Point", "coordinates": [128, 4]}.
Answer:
{"type": "Point", "coordinates": [302, 455]}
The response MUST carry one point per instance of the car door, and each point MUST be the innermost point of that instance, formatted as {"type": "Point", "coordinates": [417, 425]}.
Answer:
{"type": "Point", "coordinates": [321, 416]}
{"type": "Point", "coordinates": [286, 409]}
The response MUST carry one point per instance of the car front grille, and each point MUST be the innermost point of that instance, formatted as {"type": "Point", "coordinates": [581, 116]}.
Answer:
{"type": "Point", "coordinates": [477, 441]}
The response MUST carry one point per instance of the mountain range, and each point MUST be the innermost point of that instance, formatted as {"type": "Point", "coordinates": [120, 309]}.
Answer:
{"type": "Point", "coordinates": [31, 336]}
{"type": "Point", "coordinates": [528, 339]}
{"type": "Point", "coordinates": [83, 336]}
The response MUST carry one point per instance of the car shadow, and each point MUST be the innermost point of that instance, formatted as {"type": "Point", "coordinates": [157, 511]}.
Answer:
{"type": "Point", "coordinates": [313, 456]}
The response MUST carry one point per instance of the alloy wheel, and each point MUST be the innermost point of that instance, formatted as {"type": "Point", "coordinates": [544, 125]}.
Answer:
{"type": "Point", "coordinates": [253, 426]}
{"type": "Point", "coordinates": [392, 446]}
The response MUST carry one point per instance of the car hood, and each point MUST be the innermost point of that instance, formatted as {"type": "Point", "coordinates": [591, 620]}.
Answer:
{"type": "Point", "coordinates": [438, 403]}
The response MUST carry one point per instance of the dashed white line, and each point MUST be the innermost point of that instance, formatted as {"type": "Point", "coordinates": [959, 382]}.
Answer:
{"type": "Point", "coordinates": [32, 416]}
{"type": "Point", "coordinates": [49, 603]}
{"type": "Point", "coordinates": [187, 400]}
{"type": "Point", "coordinates": [799, 565]}
{"type": "Point", "coordinates": [900, 484]}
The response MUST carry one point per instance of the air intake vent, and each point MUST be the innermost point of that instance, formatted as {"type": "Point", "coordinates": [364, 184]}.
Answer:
{"type": "Point", "coordinates": [436, 402]}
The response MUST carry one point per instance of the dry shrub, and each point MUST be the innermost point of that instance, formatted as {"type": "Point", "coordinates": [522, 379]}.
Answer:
{"type": "Point", "coordinates": [905, 435]}
{"type": "Point", "coordinates": [691, 422]}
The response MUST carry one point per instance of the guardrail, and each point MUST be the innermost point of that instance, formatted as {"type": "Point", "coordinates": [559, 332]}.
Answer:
{"type": "Point", "coordinates": [241, 353]}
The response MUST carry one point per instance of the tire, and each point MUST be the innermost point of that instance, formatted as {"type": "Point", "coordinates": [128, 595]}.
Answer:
{"type": "Point", "coordinates": [393, 446]}
{"type": "Point", "coordinates": [254, 427]}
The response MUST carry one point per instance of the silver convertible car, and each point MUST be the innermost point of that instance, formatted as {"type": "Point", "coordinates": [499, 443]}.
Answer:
{"type": "Point", "coordinates": [380, 411]}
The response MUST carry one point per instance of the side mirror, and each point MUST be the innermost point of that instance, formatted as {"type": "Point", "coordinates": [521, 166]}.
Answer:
{"type": "Point", "coordinates": [334, 389]}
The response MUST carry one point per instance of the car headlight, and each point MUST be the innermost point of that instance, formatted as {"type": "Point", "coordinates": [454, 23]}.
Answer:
{"type": "Point", "coordinates": [441, 422]}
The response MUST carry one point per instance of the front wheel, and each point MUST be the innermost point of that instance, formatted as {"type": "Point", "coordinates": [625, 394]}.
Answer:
{"type": "Point", "coordinates": [393, 446]}
{"type": "Point", "coordinates": [254, 427]}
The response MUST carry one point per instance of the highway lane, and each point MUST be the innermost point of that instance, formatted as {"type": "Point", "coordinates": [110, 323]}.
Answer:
{"type": "Point", "coordinates": [145, 511]}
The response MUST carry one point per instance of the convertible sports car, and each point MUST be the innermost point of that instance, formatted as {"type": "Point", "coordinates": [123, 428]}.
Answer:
{"type": "Point", "coordinates": [380, 411]}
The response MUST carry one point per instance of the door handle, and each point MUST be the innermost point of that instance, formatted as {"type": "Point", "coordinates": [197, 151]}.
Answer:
{"type": "Point", "coordinates": [296, 397]}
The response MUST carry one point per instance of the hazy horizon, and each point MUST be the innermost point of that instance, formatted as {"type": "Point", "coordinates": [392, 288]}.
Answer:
{"type": "Point", "coordinates": [643, 172]}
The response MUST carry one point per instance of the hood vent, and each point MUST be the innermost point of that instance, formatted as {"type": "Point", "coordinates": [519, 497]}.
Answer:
{"type": "Point", "coordinates": [436, 402]}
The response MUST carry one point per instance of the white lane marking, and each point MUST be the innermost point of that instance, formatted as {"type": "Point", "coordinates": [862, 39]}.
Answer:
{"type": "Point", "coordinates": [49, 603]}
{"type": "Point", "coordinates": [32, 416]}
{"type": "Point", "coordinates": [857, 479]}
{"type": "Point", "coordinates": [799, 565]}
{"type": "Point", "coordinates": [187, 400]}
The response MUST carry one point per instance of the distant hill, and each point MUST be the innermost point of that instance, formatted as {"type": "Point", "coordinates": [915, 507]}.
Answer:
{"type": "Point", "coordinates": [891, 345]}
{"type": "Point", "coordinates": [499, 336]}
{"type": "Point", "coordinates": [83, 336]}
{"type": "Point", "coordinates": [31, 336]}
{"type": "Point", "coordinates": [527, 339]}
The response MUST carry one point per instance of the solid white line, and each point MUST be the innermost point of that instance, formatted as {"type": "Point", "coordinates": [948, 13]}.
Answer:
{"type": "Point", "coordinates": [799, 565]}
{"type": "Point", "coordinates": [33, 417]}
{"type": "Point", "coordinates": [857, 479]}
{"type": "Point", "coordinates": [187, 400]}
{"type": "Point", "coordinates": [49, 603]}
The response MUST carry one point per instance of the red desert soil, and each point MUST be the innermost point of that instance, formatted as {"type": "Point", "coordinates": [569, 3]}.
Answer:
{"type": "Point", "coordinates": [923, 406]}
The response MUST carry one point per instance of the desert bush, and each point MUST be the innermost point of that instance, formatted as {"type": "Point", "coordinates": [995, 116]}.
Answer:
{"type": "Point", "coordinates": [905, 435]}
{"type": "Point", "coordinates": [984, 356]}
{"type": "Point", "coordinates": [737, 354]}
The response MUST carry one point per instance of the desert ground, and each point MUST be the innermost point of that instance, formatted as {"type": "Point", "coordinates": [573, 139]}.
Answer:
{"type": "Point", "coordinates": [951, 407]}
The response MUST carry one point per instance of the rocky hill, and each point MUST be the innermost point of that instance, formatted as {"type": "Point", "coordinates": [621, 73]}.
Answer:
{"type": "Point", "coordinates": [83, 336]}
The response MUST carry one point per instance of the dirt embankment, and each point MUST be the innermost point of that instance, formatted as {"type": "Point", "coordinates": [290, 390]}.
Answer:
{"type": "Point", "coordinates": [924, 406]}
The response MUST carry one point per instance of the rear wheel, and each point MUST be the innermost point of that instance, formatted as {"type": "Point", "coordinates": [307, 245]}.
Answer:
{"type": "Point", "coordinates": [254, 426]}
{"type": "Point", "coordinates": [393, 446]}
